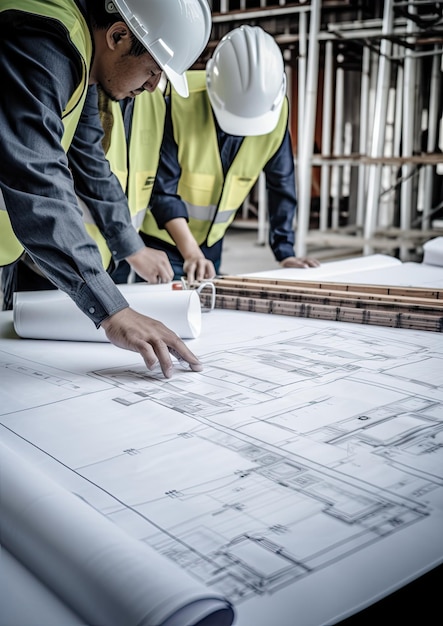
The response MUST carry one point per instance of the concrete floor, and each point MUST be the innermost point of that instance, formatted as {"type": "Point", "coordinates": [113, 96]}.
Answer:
{"type": "Point", "coordinates": [243, 254]}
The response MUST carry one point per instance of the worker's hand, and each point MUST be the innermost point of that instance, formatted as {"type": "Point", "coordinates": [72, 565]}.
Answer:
{"type": "Point", "coordinates": [130, 330]}
{"type": "Point", "coordinates": [302, 262]}
{"type": "Point", "coordinates": [198, 269]}
{"type": "Point", "coordinates": [152, 265]}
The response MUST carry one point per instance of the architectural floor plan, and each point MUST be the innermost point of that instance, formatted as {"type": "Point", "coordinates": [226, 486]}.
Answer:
{"type": "Point", "coordinates": [300, 474]}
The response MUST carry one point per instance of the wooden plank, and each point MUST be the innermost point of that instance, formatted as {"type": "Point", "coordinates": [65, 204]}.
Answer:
{"type": "Point", "coordinates": [387, 290]}
{"type": "Point", "coordinates": [415, 308]}
{"type": "Point", "coordinates": [423, 305]}
{"type": "Point", "coordinates": [296, 293]}
{"type": "Point", "coordinates": [404, 319]}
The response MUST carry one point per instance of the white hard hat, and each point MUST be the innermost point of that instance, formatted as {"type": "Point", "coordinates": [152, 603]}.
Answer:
{"type": "Point", "coordinates": [246, 82]}
{"type": "Point", "coordinates": [175, 32]}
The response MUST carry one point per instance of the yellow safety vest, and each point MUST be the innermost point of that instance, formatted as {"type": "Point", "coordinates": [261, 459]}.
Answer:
{"type": "Point", "coordinates": [78, 32]}
{"type": "Point", "coordinates": [136, 170]}
{"type": "Point", "coordinates": [148, 118]}
{"type": "Point", "coordinates": [212, 201]}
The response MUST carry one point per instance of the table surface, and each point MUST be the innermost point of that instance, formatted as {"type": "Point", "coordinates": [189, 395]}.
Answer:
{"type": "Point", "coordinates": [305, 461]}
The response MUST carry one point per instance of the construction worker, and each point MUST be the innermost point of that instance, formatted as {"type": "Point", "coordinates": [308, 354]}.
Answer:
{"type": "Point", "coordinates": [50, 52]}
{"type": "Point", "coordinates": [216, 142]}
{"type": "Point", "coordinates": [132, 142]}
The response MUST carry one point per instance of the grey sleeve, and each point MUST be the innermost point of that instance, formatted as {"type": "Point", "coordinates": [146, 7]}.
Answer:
{"type": "Point", "coordinates": [41, 70]}
{"type": "Point", "coordinates": [97, 186]}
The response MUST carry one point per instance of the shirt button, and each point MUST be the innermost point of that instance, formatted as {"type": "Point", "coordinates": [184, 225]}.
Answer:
{"type": "Point", "coordinates": [114, 252]}
{"type": "Point", "coordinates": [91, 310]}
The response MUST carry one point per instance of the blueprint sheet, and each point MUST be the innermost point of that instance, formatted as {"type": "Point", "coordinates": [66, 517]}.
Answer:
{"type": "Point", "coordinates": [300, 474]}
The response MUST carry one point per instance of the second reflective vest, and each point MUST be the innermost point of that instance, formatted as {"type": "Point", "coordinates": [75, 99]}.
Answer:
{"type": "Point", "coordinates": [211, 199]}
{"type": "Point", "coordinates": [134, 162]}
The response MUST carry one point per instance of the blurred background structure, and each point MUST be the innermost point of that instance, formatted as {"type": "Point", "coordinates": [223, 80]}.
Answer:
{"type": "Point", "coordinates": [365, 91]}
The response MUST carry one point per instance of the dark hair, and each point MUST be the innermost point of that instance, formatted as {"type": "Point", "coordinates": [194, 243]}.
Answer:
{"type": "Point", "coordinates": [103, 14]}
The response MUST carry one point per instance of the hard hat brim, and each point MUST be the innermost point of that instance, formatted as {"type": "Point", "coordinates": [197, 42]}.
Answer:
{"type": "Point", "coordinates": [178, 81]}
{"type": "Point", "coordinates": [247, 126]}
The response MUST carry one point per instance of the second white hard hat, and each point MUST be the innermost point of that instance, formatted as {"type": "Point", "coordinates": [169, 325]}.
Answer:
{"type": "Point", "coordinates": [175, 32]}
{"type": "Point", "coordinates": [246, 82]}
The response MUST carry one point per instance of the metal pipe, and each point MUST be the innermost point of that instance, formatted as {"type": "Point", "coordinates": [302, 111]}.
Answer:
{"type": "Point", "coordinates": [325, 188]}
{"type": "Point", "coordinates": [242, 16]}
{"type": "Point", "coordinates": [396, 138]}
{"type": "Point", "coordinates": [415, 2]}
{"type": "Point", "coordinates": [398, 112]}
{"type": "Point", "coordinates": [310, 107]}
{"type": "Point", "coordinates": [337, 170]}
{"type": "Point", "coordinates": [365, 36]}
{"type": "Point", "coordinates": [407, 139]}
{"type": "Point", "coordinates": [383, 82]}
{"type": "Point", "coordinates": [302, 58]}
{"type": "Point", "coordinates": [434, 97]}
{"type": "Point", "coordinates": [262, 228]}
{"type": "Point", "coordinates": [363, 135]}
{"type": "Point", "coordinates": [376, 23]}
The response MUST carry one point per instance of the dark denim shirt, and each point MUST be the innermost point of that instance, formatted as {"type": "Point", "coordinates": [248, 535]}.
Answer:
{"type": "Point", "coordinates": [279, 172]}
{"type": "Point", "coordinates": [38, 72]}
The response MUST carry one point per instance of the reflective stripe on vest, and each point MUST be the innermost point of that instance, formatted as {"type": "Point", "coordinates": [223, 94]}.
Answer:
{"type": "Point", "coordinates": [211, 200]}
{"type": "Point", "coordinates": [78, 32]}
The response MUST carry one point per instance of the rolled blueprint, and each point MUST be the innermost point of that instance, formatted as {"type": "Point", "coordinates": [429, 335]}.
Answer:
{"type": "Point", "coordinates": [105, 575]}
{"type": "Point", "coordinates": [433, 252]}
{"type": "Point", "coordinates": [52, 314]}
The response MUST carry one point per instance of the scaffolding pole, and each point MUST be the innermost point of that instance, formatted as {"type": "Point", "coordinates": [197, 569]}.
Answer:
{"type": "Point", "coordinates": [409, 86]}
{"type": "Point", "coordinates": [325, 188]}
{"type": "Point", "coordinates": [337, 170]}
{"type": "Point", "coordinates": [378, 136]}
{"type": "Point", "coordinates": [434, 103]}
{"type": "Point", "coordinates": [363, 134]}
{"type": "Point", "coordinates": [302, 53]}
{"type": "Point", "coordinates": [310, 108]}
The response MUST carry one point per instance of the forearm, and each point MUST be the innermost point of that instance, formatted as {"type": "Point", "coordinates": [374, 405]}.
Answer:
{"type": "Point", "coordinates": [179, 230]}
{"type": "Point", "coordinates": [195, 265]}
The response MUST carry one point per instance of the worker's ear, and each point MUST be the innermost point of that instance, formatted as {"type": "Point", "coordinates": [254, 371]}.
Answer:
{"type": "Point", "coordinates": [116, 34]}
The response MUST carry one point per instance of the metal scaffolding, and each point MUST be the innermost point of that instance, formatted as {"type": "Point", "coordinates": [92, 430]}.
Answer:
{"type": "Point", "coordinates": [366, 107]}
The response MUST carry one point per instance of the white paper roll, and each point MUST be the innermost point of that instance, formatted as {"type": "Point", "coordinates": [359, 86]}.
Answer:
{"type": "Point", "coordinates": [53, 315]}
{"type": "Point", "coordinates": [106, 576]}
{"type": "Point", "coordinates": [433, 252]}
